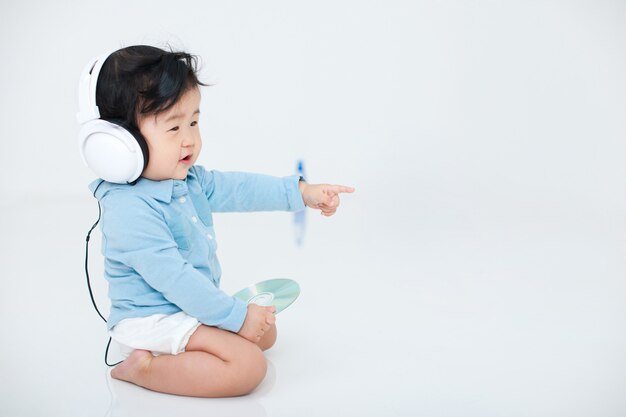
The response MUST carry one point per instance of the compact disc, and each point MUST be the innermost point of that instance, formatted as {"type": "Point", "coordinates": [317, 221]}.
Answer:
{"type": "Point", "coordinates": [278, 292]}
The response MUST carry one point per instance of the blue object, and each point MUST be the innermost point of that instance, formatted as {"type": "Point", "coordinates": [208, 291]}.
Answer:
{"type": "Point", "coordinates": [299, 217]}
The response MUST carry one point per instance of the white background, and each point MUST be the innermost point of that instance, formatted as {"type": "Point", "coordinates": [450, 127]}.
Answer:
{"type": "Point", "coordinates": [477, 271]}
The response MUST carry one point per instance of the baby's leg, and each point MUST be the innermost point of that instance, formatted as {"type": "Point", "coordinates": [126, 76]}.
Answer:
{"type": "Point", "coordinates": [216, 363]}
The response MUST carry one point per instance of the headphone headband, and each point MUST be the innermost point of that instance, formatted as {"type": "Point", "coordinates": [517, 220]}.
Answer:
{"type": "Point", "coordinates": [88, 109]}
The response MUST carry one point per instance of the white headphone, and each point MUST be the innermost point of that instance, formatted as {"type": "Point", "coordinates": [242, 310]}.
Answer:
{"type": "Point", "coordinates": [112, 152]}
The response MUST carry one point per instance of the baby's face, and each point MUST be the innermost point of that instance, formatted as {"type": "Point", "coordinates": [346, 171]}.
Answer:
{"type": "Point", "coordinates": [173, 139]}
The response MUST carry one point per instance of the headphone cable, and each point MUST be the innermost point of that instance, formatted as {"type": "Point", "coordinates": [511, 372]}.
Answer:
{"type": "Point", "coordinates": [93, 301]}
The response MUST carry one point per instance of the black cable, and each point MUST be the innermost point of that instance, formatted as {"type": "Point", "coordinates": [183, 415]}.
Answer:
{"type": "Point", "coordinates": [93, 301]}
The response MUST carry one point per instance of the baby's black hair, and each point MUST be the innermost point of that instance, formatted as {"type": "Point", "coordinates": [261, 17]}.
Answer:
{"type": "Point", "coordinates": [140, 80]}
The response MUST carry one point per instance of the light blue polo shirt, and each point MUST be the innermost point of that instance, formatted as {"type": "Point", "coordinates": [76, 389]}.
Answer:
{"type": "Point", "coordinates": [159, 243]}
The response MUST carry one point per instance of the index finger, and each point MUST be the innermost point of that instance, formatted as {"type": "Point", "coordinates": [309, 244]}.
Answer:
{"type": "Point", "coordinates": [341, 189]}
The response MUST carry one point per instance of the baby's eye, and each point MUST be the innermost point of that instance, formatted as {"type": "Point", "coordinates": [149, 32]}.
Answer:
{"type": "Point", "coordinates": [175, 128]}
{"type": "Point", "coordinates": [194, 123]}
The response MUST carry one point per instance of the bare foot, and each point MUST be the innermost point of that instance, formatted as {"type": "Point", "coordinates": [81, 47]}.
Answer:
{"type": "Point", "coordinates": [133, 366]}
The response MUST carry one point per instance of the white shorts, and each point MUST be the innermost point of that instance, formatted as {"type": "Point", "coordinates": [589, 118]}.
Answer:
{"type": "Point", "coordinates": [159, 333]}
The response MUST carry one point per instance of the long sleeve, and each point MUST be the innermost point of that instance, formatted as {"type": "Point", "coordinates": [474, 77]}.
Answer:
{"type": "Point", "coordinates": [239, 191]}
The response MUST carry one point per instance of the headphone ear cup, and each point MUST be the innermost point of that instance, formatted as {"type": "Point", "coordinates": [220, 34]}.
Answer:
{"type": "Point", "coordinates": [141, 141]}
{"type": "Point", "coordinates": [112, 152]}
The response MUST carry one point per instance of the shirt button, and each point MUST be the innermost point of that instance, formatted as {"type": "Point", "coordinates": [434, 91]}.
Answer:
{"type": "Point", "coordinates": [182, 200]}
{"type": "Point", "coordinates": [194, 219]}
{"type": "Point", "coordinates": [209, 236]}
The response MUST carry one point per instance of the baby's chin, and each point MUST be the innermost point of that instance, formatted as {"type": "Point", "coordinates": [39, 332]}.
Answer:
{"type": "Point", "coordinates": [177, 176]}
{"type": "Point", "coordinates": [181, 175]}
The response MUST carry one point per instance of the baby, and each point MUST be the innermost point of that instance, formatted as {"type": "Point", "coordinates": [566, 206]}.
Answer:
{"type": "Point", "coordinates": [179, 332]}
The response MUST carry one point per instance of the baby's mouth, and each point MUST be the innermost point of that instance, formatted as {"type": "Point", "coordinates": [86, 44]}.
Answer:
{"type": "Point", "coordinates": [186, 159]}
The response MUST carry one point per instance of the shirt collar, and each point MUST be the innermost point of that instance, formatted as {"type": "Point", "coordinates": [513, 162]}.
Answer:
{"type": "Point", "coordinates": [163, 191]}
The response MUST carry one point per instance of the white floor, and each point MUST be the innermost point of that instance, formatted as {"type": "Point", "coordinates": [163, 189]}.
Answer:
{"type": "Point", "coordinates": [399, 315]}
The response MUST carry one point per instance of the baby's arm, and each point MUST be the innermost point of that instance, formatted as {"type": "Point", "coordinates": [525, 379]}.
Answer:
{"type": "Point", "coordinates": [239, 191]}
{"type": "Point", "coordinates": [245, 192]}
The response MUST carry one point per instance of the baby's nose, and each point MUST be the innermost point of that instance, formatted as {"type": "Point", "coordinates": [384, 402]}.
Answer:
{"type": "Point", "coordinates": [189, 140]}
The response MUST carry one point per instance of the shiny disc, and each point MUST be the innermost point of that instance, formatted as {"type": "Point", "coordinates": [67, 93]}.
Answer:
{"type": "Point", "coordinates": [279, 292]}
